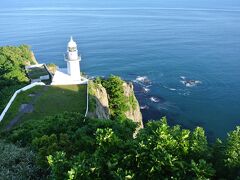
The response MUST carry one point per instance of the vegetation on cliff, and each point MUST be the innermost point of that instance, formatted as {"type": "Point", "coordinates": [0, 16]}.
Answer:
{"type": "Point", "coordinates": [17, 163]}
{"type": "Point", "coordinates": [113, 98]}
{"type": "Point", "coordinates": [75, 147]}
{"type": "Point", "coordinates": [12, 72]}
{"type": "Point", "coordinates": [117, 100]}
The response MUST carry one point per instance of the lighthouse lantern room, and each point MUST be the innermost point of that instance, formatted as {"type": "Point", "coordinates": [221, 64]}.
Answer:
{"type": "Point", "coordinates": [72, 58]}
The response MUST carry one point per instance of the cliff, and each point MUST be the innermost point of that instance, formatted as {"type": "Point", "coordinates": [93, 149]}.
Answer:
{"type": "Point", "coordinates": [133, 112]}
{"type": "Point", "coordinates": [99, 103]}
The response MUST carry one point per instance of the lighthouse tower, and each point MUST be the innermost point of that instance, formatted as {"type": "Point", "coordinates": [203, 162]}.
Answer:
{"type": "Point", "coordinates": [73, 61]}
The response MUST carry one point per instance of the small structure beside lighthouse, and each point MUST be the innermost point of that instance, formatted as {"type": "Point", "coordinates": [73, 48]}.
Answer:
{"type": "Point", "coordinates": [71, 75]}
{"type": "Point", "coordinates": [73, 60]}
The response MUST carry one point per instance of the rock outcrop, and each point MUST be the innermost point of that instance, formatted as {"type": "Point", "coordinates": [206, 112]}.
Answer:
{"type": "Point", "coordinates": [134, 112]}
{"type": "Point", "coordinates": [33, 58]}
{"type": "Point", "coordinates": [99, 103]}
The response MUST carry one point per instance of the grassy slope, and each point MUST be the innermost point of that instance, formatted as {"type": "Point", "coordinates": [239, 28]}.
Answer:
{"type": "Point", "coordinates": [49, 100]}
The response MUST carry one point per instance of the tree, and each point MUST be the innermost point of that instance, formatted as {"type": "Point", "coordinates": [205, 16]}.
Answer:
{"type": "Point", "coordinates": [117, 100]}
{"type": "Point", "coordinates": [232, 153]}
{"type": "Point", "coordinates": [12, 71]}
{"type": "Point", "coordinates": [17, 163]}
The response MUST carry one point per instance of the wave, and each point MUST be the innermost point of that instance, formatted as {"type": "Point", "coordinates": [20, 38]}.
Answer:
{"type": "Point", "coordinates": [171, 89]}
{"type": "Point", "coordinates": [143, 79]}
{"type": "Point", "coordinates": [183, 77]}
{"type": "Point", "coordinates": [144, 107]}
{"type": "Point", "coordinates": [146, 90]}
{"type": "Point", "coordinates": [154, 99]}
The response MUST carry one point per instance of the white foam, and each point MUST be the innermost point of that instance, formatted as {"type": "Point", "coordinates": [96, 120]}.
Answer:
{"type": "Point", "coordinates": [146, 90]}
{"type": "Point", "coordinates": [154, 99]}
{"type": "Point", "coordinates": [144, 107]}
{"type": "Point", "coordinates": [143, 79]}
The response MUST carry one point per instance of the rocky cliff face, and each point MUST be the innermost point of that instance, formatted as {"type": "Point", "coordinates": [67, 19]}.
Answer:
{"type": "Point", "coordinates": [134, 112]}
{"type": "Point", "coordinates": [33, 58]}
{"type": "Point", "coordinates": [99, 103]}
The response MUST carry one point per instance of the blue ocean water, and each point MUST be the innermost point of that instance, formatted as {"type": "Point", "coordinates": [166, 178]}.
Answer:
{"type": "Point", "coordinates": [163, 41]}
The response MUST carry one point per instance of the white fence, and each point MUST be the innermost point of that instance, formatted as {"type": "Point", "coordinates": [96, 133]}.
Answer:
{"type": "Point", "coordinates": [15, 95]}
{"type": "Point", "coordinates": [87, 102]}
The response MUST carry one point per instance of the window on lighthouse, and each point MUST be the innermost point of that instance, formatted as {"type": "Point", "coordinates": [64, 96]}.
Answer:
{"type": "Point", "coordinates": [72, 49]}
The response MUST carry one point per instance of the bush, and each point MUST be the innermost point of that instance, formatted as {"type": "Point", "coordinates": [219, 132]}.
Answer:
{"type": "Point", "coordinates": [12, 71]}
{"type": "Point", "coordinates": [17, 163]}
{"type": "Point", "coordinates": [117, 100]}
{"type": "Point", "coordinates": [82, 148]}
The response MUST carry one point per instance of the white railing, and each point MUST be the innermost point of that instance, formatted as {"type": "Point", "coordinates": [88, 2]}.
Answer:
{"type": "Point", "coordinates": [15, 95]}
{"type": "Point", "coordinates": [87, 102]}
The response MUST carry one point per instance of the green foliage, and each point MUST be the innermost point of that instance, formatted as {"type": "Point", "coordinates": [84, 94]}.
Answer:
{"type": "Point", "coordinates": [199, 146]}
{"type": "Point", "coordinates": [91, 98]}
{"type": "Point", "coordinates": [12, 72]}
{"type": "Point", "coordinates": [17, 163]}
{"type": "Point", "coordinates": [98, 80]}
{"type": "Point", "coordinates": [75, 147]}
{"type": "Point", "coordinates": [68, 132]}
{"type": "Point", "coordinates": [165, 151]}
{"type": "Point", "coordinates": [6, 93]}
{"type": "Point", "coordinates": [132, 101]}
{"type": "Point", "coordinates": [117, 100]}
{"type": "Point", "coordinates": [233, 149]}
{"type": "Point", "coordinates": [231, 154]}
{"type": "Point", "coordinates": [12, 61]}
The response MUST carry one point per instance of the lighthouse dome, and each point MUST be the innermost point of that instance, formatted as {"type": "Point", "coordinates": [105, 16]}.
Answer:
{"type": "Point", "coordinates": [72, 43]}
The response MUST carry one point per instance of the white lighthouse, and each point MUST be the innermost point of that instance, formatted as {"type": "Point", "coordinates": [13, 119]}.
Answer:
{"type": "Point", "coordinates": [71, 74]}
{"type": "Point", "coordinates": [73, 60]}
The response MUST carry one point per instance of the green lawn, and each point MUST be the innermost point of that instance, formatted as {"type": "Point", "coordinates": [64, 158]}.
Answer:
{"type": "Point", "coordinates": [36, 72]}
{"type": "Point", "coordinates": [47, 101]}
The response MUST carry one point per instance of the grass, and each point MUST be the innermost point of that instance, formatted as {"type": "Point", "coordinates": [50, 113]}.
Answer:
{"type": "Point", "coordinates": [36, 72]}
{"type": "Point", "coordinates": [48, 100]}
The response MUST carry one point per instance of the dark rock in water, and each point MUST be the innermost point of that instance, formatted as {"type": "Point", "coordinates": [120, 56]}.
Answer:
{"type": "Point", "coordinates": [189, 82]}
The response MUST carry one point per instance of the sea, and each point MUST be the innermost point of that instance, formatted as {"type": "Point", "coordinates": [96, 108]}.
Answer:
{"type": "Point", "coordinates": [182, 56]}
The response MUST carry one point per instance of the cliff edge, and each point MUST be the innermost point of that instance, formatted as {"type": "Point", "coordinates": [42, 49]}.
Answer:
{"type": "Point", "coordinates": [99, 102]}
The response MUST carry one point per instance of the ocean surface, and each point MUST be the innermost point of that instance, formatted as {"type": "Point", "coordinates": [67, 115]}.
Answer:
{"type": "Point", "coordinates": [183, 57]}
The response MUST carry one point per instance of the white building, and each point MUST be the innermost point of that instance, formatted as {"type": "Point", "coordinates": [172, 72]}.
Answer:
{"type": "Point", "coordinates": [72, 74]}
{"type": "Point", "coordinates": [73, 60]}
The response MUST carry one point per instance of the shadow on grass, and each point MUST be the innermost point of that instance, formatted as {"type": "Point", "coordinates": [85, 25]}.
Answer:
{"type": "Point", "coordinates": [46, 101]}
